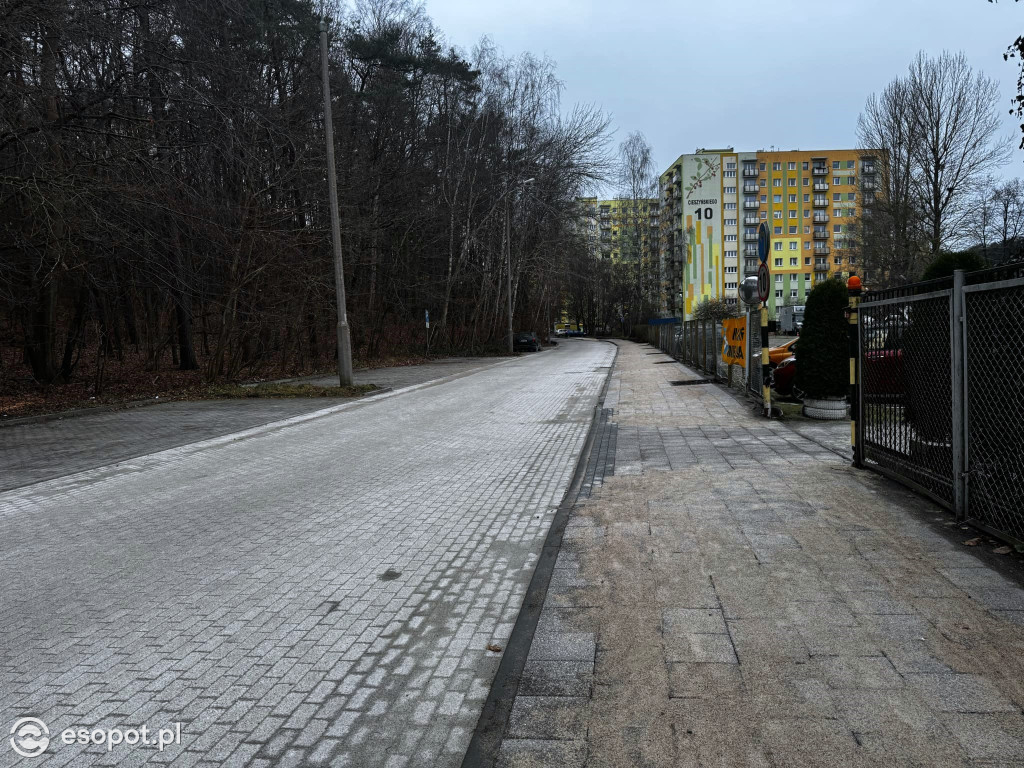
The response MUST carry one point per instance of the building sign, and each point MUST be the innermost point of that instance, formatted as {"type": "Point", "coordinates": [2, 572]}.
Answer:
{"type": "Point", "coordinates": [702, 221]}
{"type": "Point", "coordinates": [734, 341]}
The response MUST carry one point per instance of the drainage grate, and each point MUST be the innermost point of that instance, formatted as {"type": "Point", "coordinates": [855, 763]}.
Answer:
{"type": "Point", "coordinates": [689, 381]}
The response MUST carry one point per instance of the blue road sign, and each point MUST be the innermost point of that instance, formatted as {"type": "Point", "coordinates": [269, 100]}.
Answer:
{"type": "Point", "coordinates": [764, 242]}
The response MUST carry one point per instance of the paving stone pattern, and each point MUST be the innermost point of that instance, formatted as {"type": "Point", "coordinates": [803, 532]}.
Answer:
{"type": "Point", "coordinates": [319, 593]}
{"type": "Point", "coordinates": [31, 453]}
{"type": "Point", "coordinates": [736, 594]}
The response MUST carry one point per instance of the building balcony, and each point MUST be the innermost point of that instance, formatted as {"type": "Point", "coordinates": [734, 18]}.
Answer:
{"type": "Point", "coordinates": [752, 220]}
{"type": "Point", "coordinates": [750, 189]}
{"type": "Point", "coordinates": [819, 170]}
{"type": "Point", "coordinates": [821, 267]}
{"type": "Point", "coordinates": [821, 202]}
{"type": "Point", "coordinates": [821, 249]}
{"type": "Point", "coordinates": [868, 184]}
{"type": "Point", "coordinates": [750, 237]}
{"type": "Point", "coordinates": [820, 217]}
{"type": "Point", "coordinates": [750, 250]}
{"type": "Point", "coordinates": [821, 186]}
{"type": "Point", "coordinates": [751, 204]}
{"type": "Point", "coordinates": [821, 234]}
{"type": "Point", "coordinates": [750, 173]}
{"type": "Point", "coordinates": [867, 170]}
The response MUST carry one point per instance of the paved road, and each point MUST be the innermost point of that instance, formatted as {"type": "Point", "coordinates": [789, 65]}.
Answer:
{"type": "Point", "coordinates": [316, 592]}
{"type": "Point", "coordinates": [31, 453]}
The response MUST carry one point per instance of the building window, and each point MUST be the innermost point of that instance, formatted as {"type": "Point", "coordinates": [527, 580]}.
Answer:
{"type": "Point", "coordinates": [792, 230]}
{"type": "Point", "coordinates": [730, 222]}
{"type": "Point", "coordinates": [764, 198]}
{"type": "Point", "coordinates": [729, 174]}
{"type": "Point", "coordinates": [837, 212]}
{"type": "Point", "coordinates": [792, 213]}
{"type": "Point", "coordinates": [776, 198]}
{"type": "Point", "coordinates": [793, 293]}
{"type": "Point", "coordinates": [807, 247]}
{"type": "Point", "coordinates": [851, 195]}
{"type": "Point", "coordinates": [762, 183]}
{"type": "Point", "coordinates": [730, 238]}
{"type": "Point", "coordinates": [730, 206]}
{"type": "Point", "coordinates": [837, 180]}
{"type": "Point", "coordinates": [794, 262]}
{"type": "Point", "coordinates": [729, 190]}
{"type": "Point", "coordinates": [849, 163]}
{"type": "Point", "coordinates": [792, 198]}
{"type": "Point", "coordinates": [851, 212]}
{"type": "Point", "coordinates": [776, 214]}
{"type": "Point", "coordinates": [778, 263]}
{"type": "Point", "coordinates": [778, 277]}
{"type": "Point", "coordinates": [778, 294]}
{"type": "Point", "coordinates": [793, 245]}
{"type": "Point", "coordinates": [730, 255]}
{"type": "Point", "coordinates": [731, 270]}
{"type": "Point", "coordinates": [807, 215]}
{"type": "Point", "coordinates": [764, 215]}
{"type": "Point", "coordinates": [778, 243]}
{"type": "Point", "coordinates": [835, 165]}
{"type": "Point", "coordinates": [807, 198]}
{"type": "Point", "coordinates": [807, 275]}
{"type": "Point", "coordinates": [805, 166]}
{"type": "Point", "coordinates": [836, 197]}
{"type": "Point", "coordinates": [837, 228]}
{"type": "Point", "coordinates": [807, 229]}
{"type": "Point", "coordinates": [807, 182]}
{"type": "Point", "coordinates": [792, 166]}
{"type": "Point", "coordinates": [776, 182]}
{"type": "Point", "coordinates": [730, 166]}
{"type": "Point", "coordinates": [761, 166]}
{"type": "Point", "coordinates": [776, 166]}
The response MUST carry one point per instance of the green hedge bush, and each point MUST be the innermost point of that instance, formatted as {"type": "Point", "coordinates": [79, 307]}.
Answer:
{"type": "Point", "coordinates": [823, 352]}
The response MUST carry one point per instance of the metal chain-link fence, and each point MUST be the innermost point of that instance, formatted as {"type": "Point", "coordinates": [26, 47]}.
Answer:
{"type": "Point", "coordinates": [907, 388]}
{"type": "Point", "coordinates": [994, 370]}
{"type": "Point", "coordinates": [941, 396]}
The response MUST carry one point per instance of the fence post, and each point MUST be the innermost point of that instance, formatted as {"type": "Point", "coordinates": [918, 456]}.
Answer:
{"type": "Point", "coordinates": [957, 323]}
{"type": "Point", "coordinates": [853, 289]}
{"type": "Point", "coordinates": [766, 390]}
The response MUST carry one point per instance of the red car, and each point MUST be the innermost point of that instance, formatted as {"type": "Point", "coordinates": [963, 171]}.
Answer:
{"type": "Point", "coordinates": [784, 377]}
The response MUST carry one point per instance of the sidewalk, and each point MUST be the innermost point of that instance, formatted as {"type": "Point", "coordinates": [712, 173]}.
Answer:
{"type": "Point", "coordinates": [732, 593]}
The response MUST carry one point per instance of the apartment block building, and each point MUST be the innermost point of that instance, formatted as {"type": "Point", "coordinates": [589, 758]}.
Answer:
{"type": "Point", "coordinates": [622, 228]}
{"type": "Point", "coordinates": [714, 200]}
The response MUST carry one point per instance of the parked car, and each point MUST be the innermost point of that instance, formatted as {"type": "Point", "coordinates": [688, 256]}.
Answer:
{"type": "Point", "coordinates": [777, 354]}
{"type": "Point", "coordinates": [883, 367]}
{"type": "Point", "coordinates": [526, 341]}
{"type": "Point", "coordinates": [561, 332]}
{"type": "Point", "coordinates": [784, 378]}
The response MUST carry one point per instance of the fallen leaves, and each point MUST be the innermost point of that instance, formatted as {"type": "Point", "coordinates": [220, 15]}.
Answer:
{"type": "Point", "coordinates": [973, 542]}
{"type": "Point", "coordinates": [1002, 550]}
{"type": "Point", "coordinates": [493, 648]}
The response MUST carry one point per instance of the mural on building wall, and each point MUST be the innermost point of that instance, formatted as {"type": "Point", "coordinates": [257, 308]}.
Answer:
{"type": "Point", "coordinates": [702, 216]}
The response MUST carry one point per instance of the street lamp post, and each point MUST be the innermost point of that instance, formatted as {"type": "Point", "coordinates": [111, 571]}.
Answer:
{"type": "Point", "coordinates": [344, 340]}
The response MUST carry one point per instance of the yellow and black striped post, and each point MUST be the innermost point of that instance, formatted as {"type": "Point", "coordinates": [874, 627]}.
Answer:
{"type": "Point", "coordinates": [766, 389]}
{"type": "Point", "coordinates": [853, 288]}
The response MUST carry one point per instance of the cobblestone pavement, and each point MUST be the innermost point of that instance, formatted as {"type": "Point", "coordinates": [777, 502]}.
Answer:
{"type": "Point", "coordinates": [31, 453]}
{"type": "Point", "coordinates": [730, 593]}
{"type": "Point", "coordinates": [320, 591]}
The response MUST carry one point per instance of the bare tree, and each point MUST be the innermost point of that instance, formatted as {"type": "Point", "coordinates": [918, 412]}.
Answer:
{"type": "Point", "coordinates": [887, 238]}
{"type": "Point", "coordinates": [957, 144]}
{"type": "Point", "coordinates": [1007, 201]}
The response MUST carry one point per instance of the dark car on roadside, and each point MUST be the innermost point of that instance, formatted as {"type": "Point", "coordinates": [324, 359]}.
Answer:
{"type": "Point", "coordinates": [526, 341]}
{"type": "Point", "coordinates": [784, 378]}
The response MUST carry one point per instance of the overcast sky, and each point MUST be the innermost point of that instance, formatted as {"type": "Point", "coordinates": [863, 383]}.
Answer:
{"type": "Point", "coordinates": [743, 73]}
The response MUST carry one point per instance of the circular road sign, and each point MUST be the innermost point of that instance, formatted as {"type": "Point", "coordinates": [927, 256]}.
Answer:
{"type": "Point", "coordinates": [764, 283]}
{"type": "Point", "coordinates": [764, 242]}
